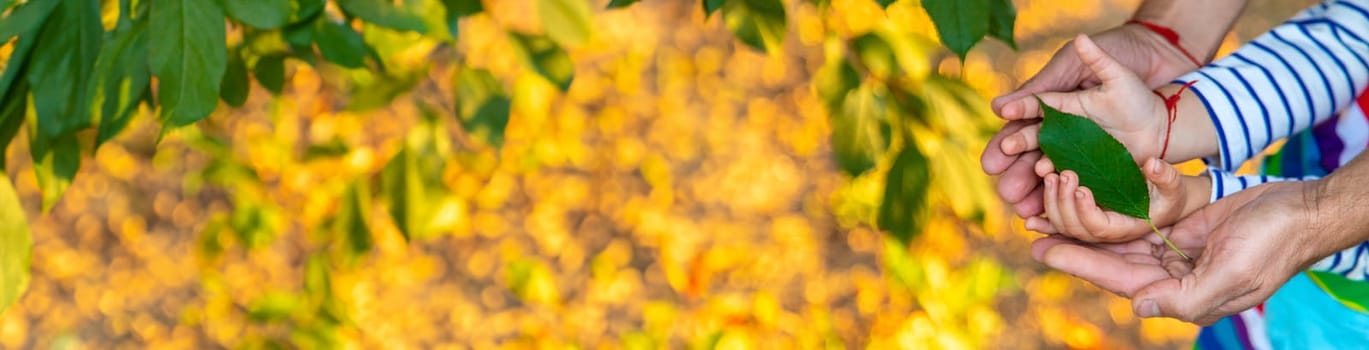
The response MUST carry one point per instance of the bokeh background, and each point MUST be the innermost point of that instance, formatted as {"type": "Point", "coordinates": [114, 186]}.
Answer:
{"type": "Point", "coordinates": [681, 194]}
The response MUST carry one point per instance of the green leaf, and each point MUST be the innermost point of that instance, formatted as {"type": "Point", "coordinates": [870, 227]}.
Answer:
{"type": "Point", "coordinates": [565, 21]}
{"type": "Point", "coordinates": [383, 13]}
{"type": "Point", "coordinates": [617, 4]}
{"type": "Point", "coordinates": [1103, 164]}
{"type": "Point", "coordinates": [12, 113]}
{"type": "Point", "coordinates": [353, 218]}
{"type": "Point", "coordinates": [463, 8]}
{"type": "Point", "coordinates": [1002, 16]}
{"type": "Point", "coordinates": [306, 10]}
{"type": "Point", "coordinates": [884, 3]}
{"type": "Point", "coordinates": [861, 132]}
{"type": "Point", "coordinates": [340, 44]}
{"type": "Point", "coordinates": [905, 195]}
{"type": "Point", "coordinates": [235, 85]}
{"type": "Point", "coordinates": [384, 89]}
{"type": "Point", "coordinates": [260, 14]}
{"type": "Point", "coordinates": [760, 24]}
{"type": "Point", "coordinates": [549, 60]}
{"type": "Point", "coordinates": [273, 306]}
{"type": "Point", "coordinates": [188, 56]}
{"type": "Point", "coordinates": [418, 201]}
{"type": "Point", "coordinates": [55, 162]}
{"type": "Point", "coordinates": [711, 6]}
{"type": "Point", "coordinates": [63, 63]}
{"type": "Point", "coordinates": [270, 72]}
{"type": "Point", "coordinates": [121, 80]}
{"type": "Point", "coordinates": [960, 23]}
{"type": "Point", "coordinates": [877, 55]}
{"type": "Point", "coordinates": [16, 245]}
{"type": "Point", "coordinates": [833, 81]}
{"type": "Point", "coordinates": [482, 105]}
{"type": "Point", "coordinates": [26, 18]}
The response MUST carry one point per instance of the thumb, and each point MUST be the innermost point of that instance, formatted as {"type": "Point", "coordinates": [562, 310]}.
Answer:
{"type": "Point", "coordinates": [1192, 298]}
{"type": "Point", "coordinates": [1103, 65]}
{"type": "Point", "coordinates": [1062, 73]}
{"type": "Point", "coordinates": [1167, 180]}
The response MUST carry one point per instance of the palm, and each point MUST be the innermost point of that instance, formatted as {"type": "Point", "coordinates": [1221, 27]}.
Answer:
{"type": "Point", "coordinates": [1122, 268]}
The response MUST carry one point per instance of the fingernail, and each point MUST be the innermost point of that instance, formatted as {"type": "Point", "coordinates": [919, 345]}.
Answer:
{"type": "Point", "coordinates": [1079, 194]}
{"type": "Point", "coordinates": [1010, 144]}
{"type": "Point", "coordinates": [1155, 166]}
{"type": "Point", "coordinates": [1050, 182]}
{"type": "Point", "coordinates": [1148, 308]}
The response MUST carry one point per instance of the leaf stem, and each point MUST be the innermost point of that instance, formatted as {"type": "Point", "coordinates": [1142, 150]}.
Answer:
{"type": "Point", "coordinates": [1169, 243]}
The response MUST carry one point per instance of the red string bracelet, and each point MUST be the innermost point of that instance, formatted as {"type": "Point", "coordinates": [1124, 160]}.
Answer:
{"type": "Point", "coordinates": [1172, 107]}
{"type": "Point", "coordinates": [1170, 35]}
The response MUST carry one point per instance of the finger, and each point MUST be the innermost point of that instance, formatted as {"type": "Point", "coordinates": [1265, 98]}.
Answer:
{"type": "Point", "coordinates": [1041, 245]}
{"type": "Point", "coordinates": [1052, 201]}
{"type": "Point", "coordinates": [1019, 179]}
{"type": "Point", "coordinates": [1168, 187]}
{"type": "Point", "coordinates": [1107, 270]}
{"type": "Point", "coordinates": [1044, 166]}
{"type": "Point", "coordinates": [1067, 102]}
{"type": "Point", "coordinates": [1100, 63]}
{"type": "Point", "coordinates": [1039, 224]}
{"type": "Point", "coordinates": [1098, 223]}
{"type": "Point", "coordinates": [993, 160]}
{"type": "Point", "coordinates": [1062, 73]}
{"type": "Point", "coordinates": [1031, 205]}
{"type": "Point", "coordinates": [1023, 140]}
{"type": "Point", "coordinates": [1069, 190]}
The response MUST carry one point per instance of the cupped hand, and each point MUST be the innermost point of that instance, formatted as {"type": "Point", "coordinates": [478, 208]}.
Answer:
{"type": "Point", "coordinates": [1072, 211]}
{"type": "Point", "coordinates": [1247, 245]}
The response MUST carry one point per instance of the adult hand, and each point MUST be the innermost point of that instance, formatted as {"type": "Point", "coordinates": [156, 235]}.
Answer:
{"type": "Point", "coordinates": [1247, 245]}
{"type": "Point", "coordinates": [1136, 48]}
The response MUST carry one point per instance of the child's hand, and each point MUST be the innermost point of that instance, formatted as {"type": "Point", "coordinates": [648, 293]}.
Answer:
{"type": "Point", "coordinates": [1070, 210]}
{"type": "Point", "coordinates": [1122, 105]}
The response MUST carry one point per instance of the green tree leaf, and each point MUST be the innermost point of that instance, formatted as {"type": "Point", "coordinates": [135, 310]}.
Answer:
{"type": "Point", "coordinates": [260, 14]}
{"type": "Point", "coordinates": [235, 85]}
{"type": "Point", "coordinates": [463, 8]}
{"type": "Point", "coordinates": [905, 195]}
{"type": "Point", "coordinates": [340, 44]}
{"type": "Point", "coordinates": [383, 13]}
{"type": "Point", "coordinates": [482, 105]}
{"type": "Point", "coordinates": [188, 56]}
{"type": "Point", "coordinates": [13, 108]}
{"type": "Point", "coordinates": [877, 55]}
{"type": "Point", "coordinates": [270, 72]}
{"type": "Point", "coordinates": [121, 80]}
{"type": "Point", "coordinates": [306, 10]}
{"type": "Point", "coordinates": [63, 64]}
{"type": "Point", "coordinates": [861, 132]}
{"type": "Point", "coordinates": [1103, 164]}
{"type": "Point", "coordinates": [55, 162]}
{"type": "Point", "coordinates": [960, 23]}
{"type": "Point", "coordinates": [833, 81]}
{"type": "Point", "coordinates": [884, 3]}
{"type": "Point", "coordinates": [16, 245]}
{"type": "Point", "coordinates": [760, 24]}
{"type": "Point", "coordinates": [566, 21]}
{"type": "Point", "coordinates": [549, 60]}
{"type": "Point", "coordinates": [1002, 16]}
{"type": "Point", "coordinates": [711, 6]}
{"type": "Point", "coordinates": [26, 18]}
{"type": "Point", "coordinates": [353, 219]}
{"type": "Point", "coordinates": [616, 4]}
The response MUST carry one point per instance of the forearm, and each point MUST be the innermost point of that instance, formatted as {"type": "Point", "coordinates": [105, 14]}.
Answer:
{"type": "Point", "coordinates": [1339, 205]}
{"type": "Point", "coordinates": [1200, 24]}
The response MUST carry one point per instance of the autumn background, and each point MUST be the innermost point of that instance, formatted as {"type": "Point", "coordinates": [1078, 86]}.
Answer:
{"type": "Point", "coordinates": [681, 193]}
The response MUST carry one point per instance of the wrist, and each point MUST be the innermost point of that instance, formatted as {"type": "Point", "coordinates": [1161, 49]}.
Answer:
{"type": "Point", "coordinates": [1201, 25]}
{"type": "Point", "coordinates": [1197, 193]}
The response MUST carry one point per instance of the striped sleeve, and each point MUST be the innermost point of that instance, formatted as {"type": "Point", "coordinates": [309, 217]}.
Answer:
{"type": "Point", "coordinates": [1353, 263]}
{"type": "Point", "coordinates": [1300, 73]}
